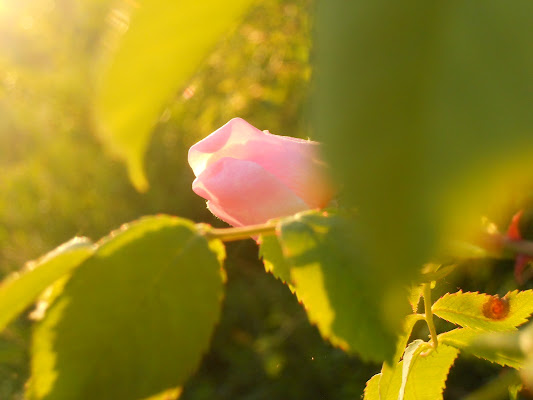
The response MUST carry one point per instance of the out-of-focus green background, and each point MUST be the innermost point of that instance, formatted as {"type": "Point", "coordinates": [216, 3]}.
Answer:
{"type": "Point", "coordinates": [56, 182]}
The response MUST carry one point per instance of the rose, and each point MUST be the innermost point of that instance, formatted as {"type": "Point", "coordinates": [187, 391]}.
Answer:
{"type": "Point", "coordinates": [249, 176]}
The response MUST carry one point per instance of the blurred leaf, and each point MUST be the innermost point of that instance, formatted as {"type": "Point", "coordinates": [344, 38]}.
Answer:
{"type": "Point", "coordinates": [415, 293]}
{"type": "Point", "coordinates": [459, 250]}
{"type": "Point", "coordinates": [505, 385]}
{"type": "Point", "coordinates": [334, 283]}
{"type": "Point", "coordinates": [273, 259]}
{"type": "Point", "coordinates": [134, 319]}
{"type": "Point", "coordinates": [514, 389]}
{"type": "Point", "coordinates": [163, 46]}
{"type": "Point", "coordinates": [421, 106]}
{"type": "Point", "coordinates": [170, 394]}
{"type": "Point", "coordinates": [470, 310]}
{"type": "Point", "coordinates": [426, 379]}
{"type": "Point", "coordinates": [21, 289]}
{"type": "Point", "coordinates": [502, 349]}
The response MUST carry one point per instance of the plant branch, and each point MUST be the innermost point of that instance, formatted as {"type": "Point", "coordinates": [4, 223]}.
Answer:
{"type": "Point", "coordinates": [503, 243]}
{"type": "Point", "coordinates": [429, 314]}
{"type": "Point", "coordinates": [244, 232]}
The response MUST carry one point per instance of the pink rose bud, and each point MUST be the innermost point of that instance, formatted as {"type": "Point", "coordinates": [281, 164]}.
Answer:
{"type": "Point", "coordinates": [249, 176]}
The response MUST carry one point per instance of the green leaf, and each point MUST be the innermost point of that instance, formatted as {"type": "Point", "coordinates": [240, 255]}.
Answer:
{"type": "Point", "coordinates": [387, 371]}
{"type": "Point", "coordinates": [275, 263]}
{"type": "Point", "coordinates": [134, 319]}
{"type": "Point", "coordinates": [424, 109]}
{"type": "Point", "coordinates": [372, 388]}
{"type": "Point", "coordinates": [415, 293]}
{"type": "Point", "coordinates": [426, 378]}
{"type": "Point", "coordinates": [505, 385]}
{"type": "Point", "coordinates": [409, 358]}
{"type": "Point", "coordinates": [21, 289]}
{"type": "Point", "coordinates": [470, 310]}
{"type": "Point", "coordinates": [341, 294]}
{"type": "Point", "coordinates": [504, 351]}
{"type": "Point", "coordinates": [514, 389]}
{"type": "Point", "coordinates": [428, 375]}
{"type": "Point", "coordinates": [163, 45]}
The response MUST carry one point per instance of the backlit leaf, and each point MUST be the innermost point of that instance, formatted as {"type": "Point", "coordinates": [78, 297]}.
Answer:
{"type": "Point", "coordinates": [467, 339]}
{"type": "Point", "coordinates": [372, 388]}
{"type": "Point", "coordinates": [415, 293]}
{"type": "Point", "coordinates": [426, 379]}
{"type": "Point", "coordinates": [340, 294]}
{"type": "Point", "coordinates": [133, 320]}
{"type": "Point", "coordinates": [273, 259]}
{"type": "Point", "coordinates": [476, 310]}
{"type": "Point", "coordinates": [163, 45]}
{"type": "Point", "coordinates": [22, 288]}
{"type": "Point", "coordinates": [409, 359]}
{"type": "Point", "coordinates": [387, 371]}
{"type": "Point", "coordinates": [428, 375]}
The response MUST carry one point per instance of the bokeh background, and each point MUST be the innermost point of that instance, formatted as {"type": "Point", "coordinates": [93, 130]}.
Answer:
{"type": "Point", "coordinates": [57, 182]}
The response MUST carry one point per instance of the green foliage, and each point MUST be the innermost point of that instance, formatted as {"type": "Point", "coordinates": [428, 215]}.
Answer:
{"type": "Point", "coordinates": [430, 94]}
{"type": "Point", "coordinates": [469, 310]}
{"type": "Point", "coordinates": [372, 388]}
{"type": "Point", "coordinates": [134, 89]}
{"type": "Point", "coordinates": [427, 376]}
{"type": "Point", "coordinates": [409, 358]}
{"type": "Point", "coordinates": [134, 319]}
{"type": "Point", "coordinates": [468, 339]}
{"type": "Point", "coordinates": [333, 282]}
{"type": "Point", "coordinates": [20, 290]}
{"type": "Point", "coordinates": [423, 380]}
{"type": "Point", "coordinates": [415, 293]}
{"type": "Point", "coordinates": [275, 263]}
{"type": "Point", "coordinates": [387, 370]}
{"type": "Point", "coordinates": [48, 153]}
{"type": "Point", "coordinates": [419, 107]}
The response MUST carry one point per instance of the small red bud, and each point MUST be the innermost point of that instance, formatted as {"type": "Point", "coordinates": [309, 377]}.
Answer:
{"type": "Point", "coordinates": [521, 260]}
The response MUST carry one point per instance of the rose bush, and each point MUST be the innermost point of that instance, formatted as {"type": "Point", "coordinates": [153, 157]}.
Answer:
{"type": "Point", "coordinates": [249, 176]}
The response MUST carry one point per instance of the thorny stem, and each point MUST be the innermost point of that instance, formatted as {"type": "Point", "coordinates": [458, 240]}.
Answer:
{"type": "Point", "coordinates": [498, 242]}
{"type": "Point", "coordinates": [429, 314]}
{"type": "Point", "coordinates": [245, 232]}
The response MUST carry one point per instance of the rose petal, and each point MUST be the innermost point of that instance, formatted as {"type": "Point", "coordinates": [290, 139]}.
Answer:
{"type": "Point", "coordinates": [294, 161]}
{"type": "Point", "coordinates": [213, 147]}
{"type": "Point", "coordinates": [223, 215]}
{"type": "Point", "coordinates": [242, 192]}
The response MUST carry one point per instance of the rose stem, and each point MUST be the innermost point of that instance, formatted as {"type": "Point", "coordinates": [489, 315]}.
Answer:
{"type": "Point", "coordinates": [244, 232]}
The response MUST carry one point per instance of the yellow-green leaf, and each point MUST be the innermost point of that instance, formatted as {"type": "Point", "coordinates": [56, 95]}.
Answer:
{"type": "Point", "coordinates": [482, 311]}
{"type": "Point", "coordinates": [275, 263]}
{"type": "Point", "coordinates": [467, 339]}
{"type": "Point", "coordinates": [341, 295]}
{"type": "Point", "coordinates": [426, 378]}
{"type": "Point", "coordinates": [133, 320]}
{"type": "Point", "coordinates": [387, 371]}
{"type": "Point", "coordinates": [162, 45]}
{"type": "Point", "coordinates": [372, 388]}
{"type": "Point", "coordinates": [21, 289]}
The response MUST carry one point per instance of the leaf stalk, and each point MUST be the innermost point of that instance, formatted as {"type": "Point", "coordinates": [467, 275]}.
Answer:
{"type": "Point", "coordinates": [240, 233]}
{"type": "Point", "coordinates": [429, 314]}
